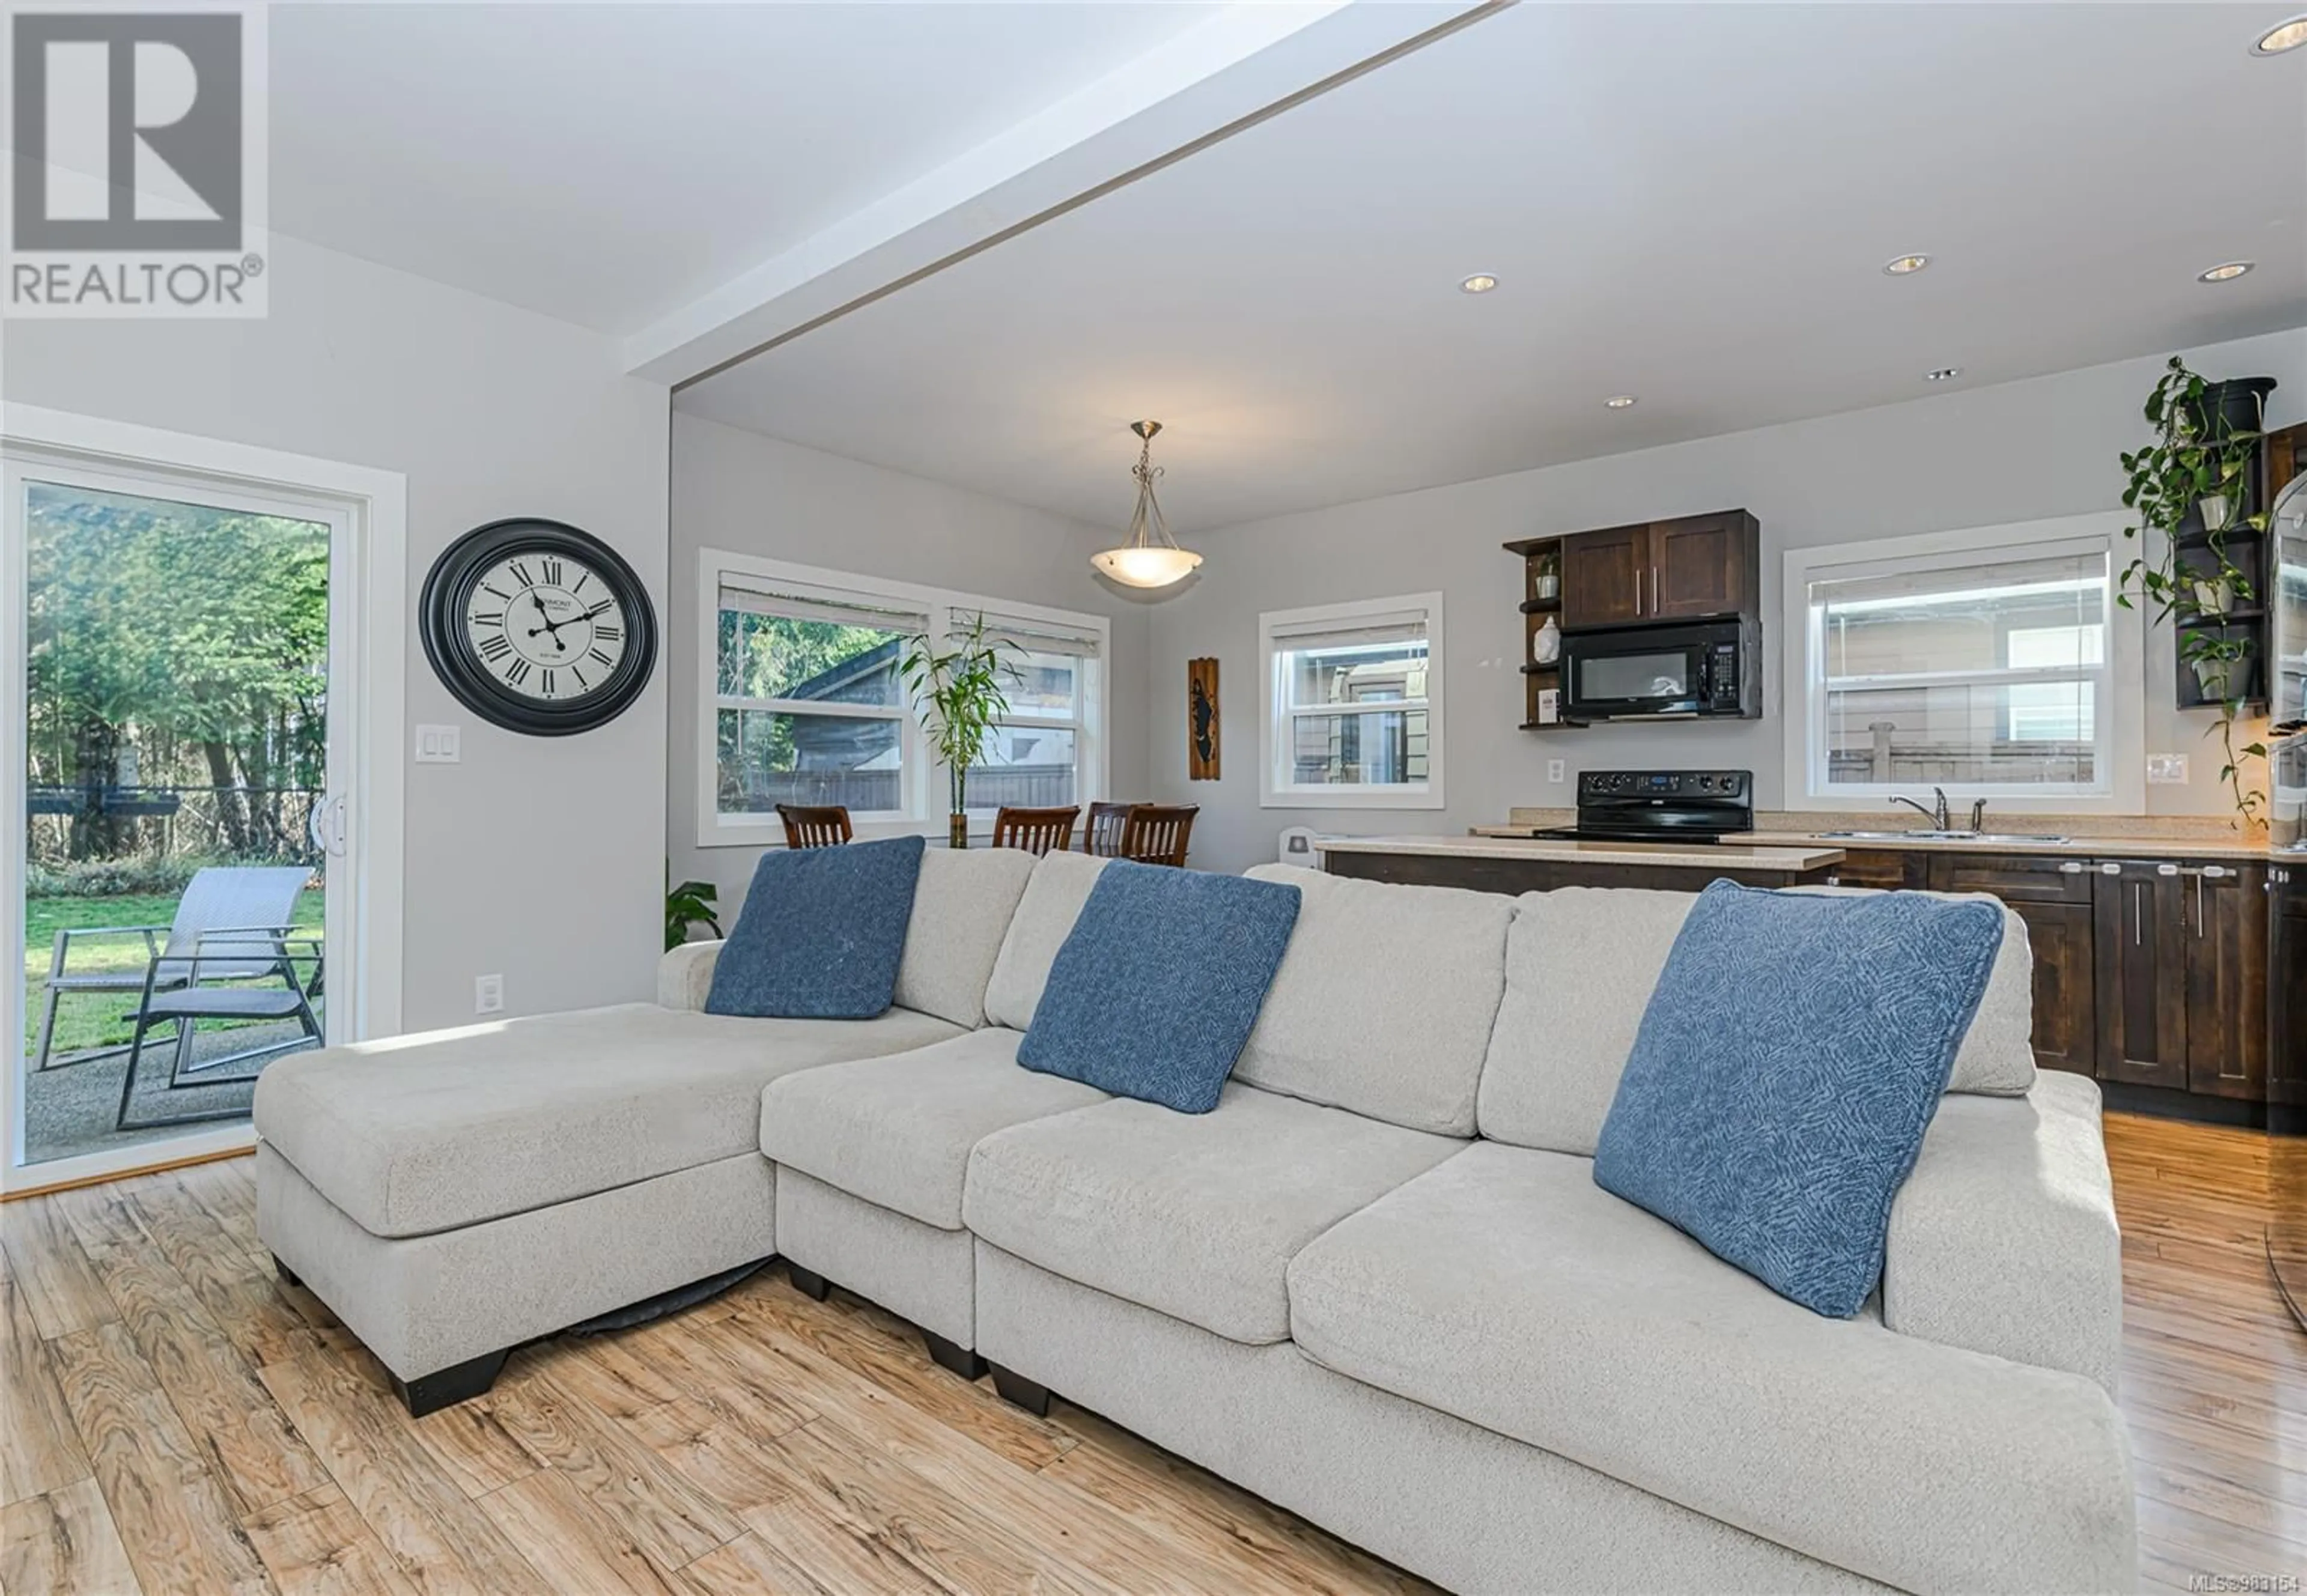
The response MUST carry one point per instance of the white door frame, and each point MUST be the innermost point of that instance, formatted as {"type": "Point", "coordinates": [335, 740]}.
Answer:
{"type": "Point", "coordinates": [367, 599]}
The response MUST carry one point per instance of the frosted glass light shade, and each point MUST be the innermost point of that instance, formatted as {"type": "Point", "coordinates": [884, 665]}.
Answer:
{"type": "Point", "coordinates": [1146, 565]}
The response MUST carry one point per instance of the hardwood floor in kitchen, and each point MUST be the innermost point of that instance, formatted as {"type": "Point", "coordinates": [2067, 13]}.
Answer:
{"type": "Point", "coordinates": [176, 1421]}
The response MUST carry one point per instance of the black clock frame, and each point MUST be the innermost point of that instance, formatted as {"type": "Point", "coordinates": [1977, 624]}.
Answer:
{"type": "Point", "coordinates": [442, 608]}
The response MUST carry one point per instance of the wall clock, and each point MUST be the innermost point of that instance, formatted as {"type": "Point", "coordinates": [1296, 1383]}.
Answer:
{"type": "Point", "coordinates": [537, 627]}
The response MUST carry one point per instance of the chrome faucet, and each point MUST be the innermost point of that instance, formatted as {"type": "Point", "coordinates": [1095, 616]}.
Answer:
{"type": "Point", "coordinates": [1978, 814]}
{"type": "Point", "coordinates": [1940, 819]}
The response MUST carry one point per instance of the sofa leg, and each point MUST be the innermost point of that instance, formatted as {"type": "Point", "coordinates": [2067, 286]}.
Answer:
{"type": "Point", "coordinates": [1020, 1391]}
{"type": "Point", "coordinates": [808, 1282]}
{"type": "Point", "coordinates": [446, 1387]}
{"type": "Point", "coordinates": [954, 1358]}
{"type": "Point", "coordinates": [287, 1275]}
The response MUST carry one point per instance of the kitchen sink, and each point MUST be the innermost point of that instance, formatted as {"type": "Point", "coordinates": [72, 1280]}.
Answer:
{"type": "Point", "coordinates": [1929, 835]}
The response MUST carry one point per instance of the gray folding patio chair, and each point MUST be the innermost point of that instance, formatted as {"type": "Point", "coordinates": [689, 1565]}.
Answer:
{"type": "Point", "coordinates": [223, 899]}
{"type": "Point", "coordinates": [224, 955]}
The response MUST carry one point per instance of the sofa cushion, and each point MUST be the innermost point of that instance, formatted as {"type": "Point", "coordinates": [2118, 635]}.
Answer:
{"type": "Point", "coordinates": [1194, 1216]}
{"type": "Point", "coordinates": [1507, 1288]}
{"type": "Point", "coordinates": [1159, 982]}
{"type": "Point", "coordinates": [897, 1131]}
{"type": "Point", "coordinates": [1788, 1066]}
{"type": "Point", "coordinates": [820, 934]}
{"type": "Point", "coordinates": [1385, 1001]}
{"type": "Point", "coordinates": [1581, 964]}
{"type": "Point", "coordinates": [962, 907]}
{"type": "Point", "coordinates": [1053, 898]}
{"type": "Point", "coordinates": [424, 1133]}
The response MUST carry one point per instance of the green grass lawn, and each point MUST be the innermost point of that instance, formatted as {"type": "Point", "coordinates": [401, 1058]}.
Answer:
{"type": "Point", "coordinates": [100, 1019]}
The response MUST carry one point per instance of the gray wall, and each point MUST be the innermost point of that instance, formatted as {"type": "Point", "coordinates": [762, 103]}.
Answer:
{"type": "Point", "coordinates": [758, 495]}
{"type": "Point", "coordinates": [536, 857]}
{"type": "Point", "coordinates": [2016, 452]}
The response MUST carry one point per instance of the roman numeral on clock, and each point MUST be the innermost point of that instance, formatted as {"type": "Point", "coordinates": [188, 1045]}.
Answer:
{"type": "Point", "coordinates": [596, 655]}
{"type": "Point", "coordinates": [493, 649]}
{"type": "Point", "coordinates": [545, 681]}
{"type": "Point", "coordinates": [610, 634]}
{"type": "Point", "coordinates": [517, 672]}
{"type": "Point", "coordinates": [552, 573]}
{"type": "Point", "coordinates": [521, 575]}
{"type": "Point", "coordinates": [494, 618]}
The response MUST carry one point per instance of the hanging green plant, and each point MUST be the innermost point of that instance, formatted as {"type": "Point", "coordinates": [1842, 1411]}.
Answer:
{"type": "Point", "coordinates": [2191, 486]}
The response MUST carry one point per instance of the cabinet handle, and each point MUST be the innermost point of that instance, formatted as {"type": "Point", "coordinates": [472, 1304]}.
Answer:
{"type": "Point", "coordinates": [2110, 869]}
{"type": "Point", "coordinates": [2198, 905]}
{"type": "Point", "coordinates": [2072, 867]}
{"type": "Point", "coordinates": [2138, 913]}
{"type": "Point", "coordinates": [2214, 870]}
{"type": "Point", "coordinates": [1654, 590]}
{"type": "Point", "coordinates": [2166, 869]}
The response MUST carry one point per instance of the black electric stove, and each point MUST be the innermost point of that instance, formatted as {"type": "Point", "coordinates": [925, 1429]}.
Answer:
{"type": "Point", "coordinates": [1662, 806]}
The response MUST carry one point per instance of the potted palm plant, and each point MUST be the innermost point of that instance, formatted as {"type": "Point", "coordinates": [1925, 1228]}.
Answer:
{"type": "Point", "coordinates": [959, 694]}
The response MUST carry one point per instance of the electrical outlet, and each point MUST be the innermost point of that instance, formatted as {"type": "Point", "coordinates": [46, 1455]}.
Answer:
{"type": "Point", "coordinates": [488, 994]}
{"type": "Point", "coordinates": [438, 745]}
{"type": "Point", "coordinates": [1553, 770]}
{"type": "Point", "coordinates": [2166, 771]}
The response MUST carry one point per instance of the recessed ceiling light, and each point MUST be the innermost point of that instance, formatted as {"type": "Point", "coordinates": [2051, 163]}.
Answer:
{"type": "Point", "coordinates": [1945, 373]}
{"type": "Point", "coordinates": [2288, 34]}
{"type": "Point", "coordinates": [2225, 272]}
{"type": "Point", "coordinates": [1904, 265]}
{"type": "Point", "coordinates": [1620, 401]}
{"type": "Point", "coordinates": [1481, 282]}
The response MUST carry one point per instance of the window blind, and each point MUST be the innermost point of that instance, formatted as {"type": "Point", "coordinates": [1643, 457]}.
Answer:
{"type": "Point", "coordinates": [1032, 636]}
{"type": "Point", "coordinates": [837, 609]}
{"type": "Point", "coordinates": [1405, 626]}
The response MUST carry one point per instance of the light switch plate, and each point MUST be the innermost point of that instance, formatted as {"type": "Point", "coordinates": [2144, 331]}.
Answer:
{"type": "Point", "coordinates": [439, 745]}
{"type": "Point", "coordinates": [488, 994]}
{"type": "Point", "coordinates": [2166, 771]}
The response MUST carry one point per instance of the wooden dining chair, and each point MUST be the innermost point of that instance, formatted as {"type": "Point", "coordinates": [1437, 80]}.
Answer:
{"type": "Point", "coordinates": [1035, 831]}
{"type": "Point", "coordinates": [815, 825]}
{"type": "Point", "coordinates": [1156, 833]}
{"type": "Point", "coordinates": [1107, 821]}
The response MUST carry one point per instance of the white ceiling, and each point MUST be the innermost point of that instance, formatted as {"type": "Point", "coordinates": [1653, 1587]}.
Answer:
{"type": "Point", "coordinates": [1690, 203]}
{"type": "Point", "coordinates": [608, 164]}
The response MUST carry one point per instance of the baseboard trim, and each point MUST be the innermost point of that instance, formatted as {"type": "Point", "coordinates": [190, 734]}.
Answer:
{"type": "Point", "coordinates": [2168, 1102]}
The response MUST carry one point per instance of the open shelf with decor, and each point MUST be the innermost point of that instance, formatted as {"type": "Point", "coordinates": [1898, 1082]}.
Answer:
{"type": "Point", "coordinates": [1542, 602]}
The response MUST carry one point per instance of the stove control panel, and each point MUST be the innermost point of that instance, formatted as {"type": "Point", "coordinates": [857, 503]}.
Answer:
{"type": "Point", "coordinates": [1676, 785]}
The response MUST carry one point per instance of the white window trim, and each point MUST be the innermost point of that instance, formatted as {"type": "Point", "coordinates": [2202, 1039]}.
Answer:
{"type": "Point", "coordinates": [924, 780]}
{"type": "Point", "coordinates": [1274, 793]}
{"type": "Point", "coordinates": [2125, 791]}
{"type": "Point", "coordinates": [370, 600]}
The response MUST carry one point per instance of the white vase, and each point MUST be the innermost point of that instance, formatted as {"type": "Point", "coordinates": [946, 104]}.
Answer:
{"type": "Point", "coordinates": [2215, 508]}
{"type": "Point", "coordinates": [1546, 643]}
{"type": "Point", "coordinates": [2215, 598]}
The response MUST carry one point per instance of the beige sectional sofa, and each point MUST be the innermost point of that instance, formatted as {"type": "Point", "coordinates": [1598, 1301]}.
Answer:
{"type": "Point", "coordinates": [1377, 1285]}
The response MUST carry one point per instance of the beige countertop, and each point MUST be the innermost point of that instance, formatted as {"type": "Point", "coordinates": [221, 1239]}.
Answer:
{"type": "Point", "coordinates": [1792, 860]}
{"type": "Point", "coordinates": [2078, 836]}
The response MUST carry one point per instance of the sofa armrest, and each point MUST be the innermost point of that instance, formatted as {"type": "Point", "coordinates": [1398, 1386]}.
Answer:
{"type": "Point", "coordinates": [2003, 1239]}
{"type": "Point", "coordinates": [685, 974]}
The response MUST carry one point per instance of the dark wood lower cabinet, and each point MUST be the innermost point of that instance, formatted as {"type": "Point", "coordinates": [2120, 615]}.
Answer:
{"type": "Point", "coordinates": [2226, 981]}
{"type": "Point", "coordinates": [2142, 973]}
{"type": "Point", "coordinates": [2054, 899]}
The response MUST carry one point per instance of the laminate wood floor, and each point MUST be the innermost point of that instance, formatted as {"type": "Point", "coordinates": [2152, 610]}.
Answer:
{"type": "Point", "coordinates": [176, 1421]}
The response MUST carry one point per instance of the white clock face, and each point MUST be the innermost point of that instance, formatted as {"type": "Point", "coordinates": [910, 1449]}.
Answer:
{"type": "Point", "coordinates": [546, 626]}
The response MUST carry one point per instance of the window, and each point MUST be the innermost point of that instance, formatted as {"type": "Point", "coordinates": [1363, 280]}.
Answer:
{"type": "Point", "coordinates": [805, 701]}
{"type": "Point", "coordinates": [1353, 705]}
{"type": "Point", "coordinates": [1985, 661]}
{"type": "Point", "coordinates": [1032, 755]}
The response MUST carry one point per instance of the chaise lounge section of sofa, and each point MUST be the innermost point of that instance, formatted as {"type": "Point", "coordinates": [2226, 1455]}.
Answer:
{"type": "Point", "coordinates": [1378, 1284]}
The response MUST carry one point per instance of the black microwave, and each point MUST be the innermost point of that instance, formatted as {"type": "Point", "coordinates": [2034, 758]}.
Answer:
{"type": "Point", "coordinates": [1705, 668]}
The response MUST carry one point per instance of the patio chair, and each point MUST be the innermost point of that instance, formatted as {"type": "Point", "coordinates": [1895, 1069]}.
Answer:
{"type": "Point", "coordinates": [235, 954]}
{"type": "Point", "coordinates": [221, 899]}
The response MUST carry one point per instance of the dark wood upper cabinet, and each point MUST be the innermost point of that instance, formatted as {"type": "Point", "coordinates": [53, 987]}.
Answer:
{"type": "Point", "coordinates": [1602, 576]}
{"type": "Point", "coordinates": [2055, 900]}
{"type": "Point", "coordinates": [2141, 929]}
{"type": "Point", "coordinates": [1704, 566]}
{"type": "Point", "coordinates": [2227, 981]}
{"type": "Point", "coordinates": [1694, 568]}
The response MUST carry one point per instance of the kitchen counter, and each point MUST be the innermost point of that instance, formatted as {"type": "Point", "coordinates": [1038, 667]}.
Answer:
{"type": "Point", "coordinates": [2104, 839]}
{"type": "Point", "coordinates": [1518, 864]}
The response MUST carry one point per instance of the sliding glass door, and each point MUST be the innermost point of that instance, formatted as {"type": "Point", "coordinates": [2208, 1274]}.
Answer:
{"type": "Point", "coordinates": [174, 902]}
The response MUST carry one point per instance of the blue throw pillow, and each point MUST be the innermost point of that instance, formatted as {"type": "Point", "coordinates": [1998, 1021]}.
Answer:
{"type": "Point", "coordinates": [1153, 994]}
{"type": "Point", "coordinates": [1788, 1064]}
{"type": "Point", "coordinates": [820, 933]}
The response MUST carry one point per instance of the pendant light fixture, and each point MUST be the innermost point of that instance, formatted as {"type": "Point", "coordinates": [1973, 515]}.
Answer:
{"type": "Point", "coordinates": [1150, 557]}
